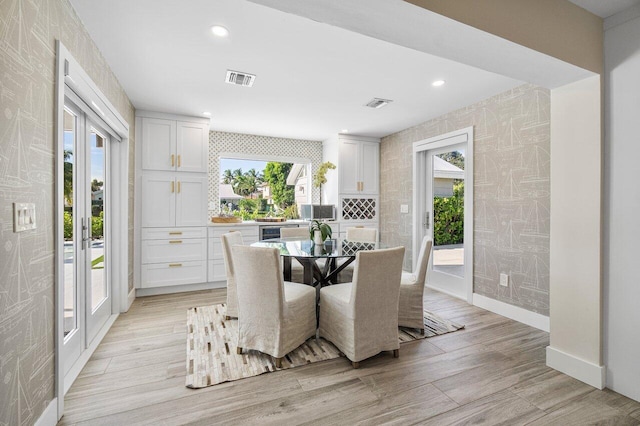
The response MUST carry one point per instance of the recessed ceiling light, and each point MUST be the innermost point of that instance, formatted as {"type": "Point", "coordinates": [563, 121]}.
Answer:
{"type": "Point", "coordinates": [438, 83]}
{"type": "Point", "coordinates": [344, 131]}
{"type": "Point", "coordinates": [220, 31]}
{"type": "Point", "coordinates": [207, 113]}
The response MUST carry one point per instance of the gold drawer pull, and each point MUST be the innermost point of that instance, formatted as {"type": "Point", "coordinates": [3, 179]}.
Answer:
{"type": "Point", "coordinates": [175, 265]}
{"type": "Point", "coordinates": [179, 160]}
{"type": "Point", "coordinates": [175, 233]}
{"type": "Point", "coordinates": [173, 160]}
{"type": "Point", "coordinates": [175, 242]}
{"type": "Point", "coordinates": [173, 187]}
{"type": "Point", "coordinates": [178, 187]}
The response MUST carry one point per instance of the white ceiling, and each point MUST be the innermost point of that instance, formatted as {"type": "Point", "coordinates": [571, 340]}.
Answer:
{"type": "Point", "coordinates": [312, 78]}
{"type": "Point", "coordinates": [605, 8]}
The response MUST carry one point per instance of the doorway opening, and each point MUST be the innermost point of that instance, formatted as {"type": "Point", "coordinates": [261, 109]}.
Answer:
{"type": "Point", "coordinates": [443, 209]}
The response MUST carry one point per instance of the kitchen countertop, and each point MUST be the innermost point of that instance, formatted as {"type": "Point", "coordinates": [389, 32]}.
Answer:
{"type": "Point", "coordinates": [254, 223]}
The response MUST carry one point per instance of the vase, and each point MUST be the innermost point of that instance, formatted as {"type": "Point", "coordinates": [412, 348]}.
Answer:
{"type": "Point", "coordinates": [317, 237]}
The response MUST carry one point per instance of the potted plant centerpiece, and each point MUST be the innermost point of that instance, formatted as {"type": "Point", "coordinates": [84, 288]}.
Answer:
{"type": "Point", "coordinates": [319, 231]}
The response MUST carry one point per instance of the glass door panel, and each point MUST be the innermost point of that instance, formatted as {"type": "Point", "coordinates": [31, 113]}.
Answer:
{"type": "Point", "coordinates": [97, 276]}
{"type": "Point", "coordinates": [69, 273]}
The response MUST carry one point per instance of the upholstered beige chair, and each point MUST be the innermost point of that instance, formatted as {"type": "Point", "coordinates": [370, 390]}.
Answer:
{"type": "Point", "coordinates": [228, 240]}
{"type": "Point", "coordinates": [297, 271]}
{"type": "Point", "coordinates": [364, 235]}
{"type": "Point", "coordinates": [410, 309]}
{"type": "Point", "coordinates": [274, 316]}
{"type": "Point", "coordinates": [361, 317]}
{"type": "Point", "coordinates": [357, 234]}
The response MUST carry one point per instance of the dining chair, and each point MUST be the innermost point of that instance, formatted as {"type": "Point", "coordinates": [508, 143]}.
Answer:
{"type": "Point", "coordinates": [229, 240]}
{"type": "Point", "coordinates": [361, 317]}
{"type": "Point", "coordinates": [275, 316]}
{"type": "Point", "coordinates": [410, 308]}
{"type": "Point", "coordinates": [357, 234]}
{"type": "Point", "coordinates": [297, 270]}
{"type": "Point", "coordinates": [364, 235]}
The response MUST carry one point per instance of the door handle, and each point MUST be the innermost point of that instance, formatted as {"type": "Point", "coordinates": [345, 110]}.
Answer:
{"type": "Point", "coordinates": [84, 236]}
{"type": "Point", "coordinates": [427, 220]}
{"type": "Point", "coordinates": [178, 160]}
{"type": "Point", "coordinates": [178, 187]}
{"type": "Point", "coordinates": [173, 160]}
{"type": "Point", "coordinates": [173, 188]}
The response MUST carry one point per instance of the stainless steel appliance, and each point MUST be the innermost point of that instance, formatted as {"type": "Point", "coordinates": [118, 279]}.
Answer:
{"type": "Point", "coordinates": [267, 232]}
{"type": "Point", "coordinates": [317, 211]}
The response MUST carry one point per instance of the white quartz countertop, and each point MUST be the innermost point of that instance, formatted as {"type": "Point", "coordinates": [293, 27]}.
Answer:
{"type": "Point", "coordinates": [254, 223]}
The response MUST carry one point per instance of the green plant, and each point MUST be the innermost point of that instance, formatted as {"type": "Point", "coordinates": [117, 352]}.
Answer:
{"type": "Point", "coordinates": [448, 215]}
{"type": "Point", "coordinates": [320, 176]}
{"type": "Point", "coordinates": [324, 229]}
{"type": "Point", "coordinates": [291, 212]}
{"type": "Point", "coordinates": [68, 225]}
{"type": "Point", "coordinates": [97, 225]}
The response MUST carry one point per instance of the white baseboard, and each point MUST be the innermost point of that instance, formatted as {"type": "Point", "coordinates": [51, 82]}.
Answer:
{"type": "Point", "coordinates": [142, 292]}
{"type": "Point", "coordinates": [516, 313]}
{"type": "Point", "coordinates": [130, 298]}
{"type": "Point", "coordinates": [591, 374]}
{"type": "Point", "coordinates": [445, 291]}
{"type": "Point", "coordinates": [50, 415]}
{"type": "Point", "coordinates": [77, 367]}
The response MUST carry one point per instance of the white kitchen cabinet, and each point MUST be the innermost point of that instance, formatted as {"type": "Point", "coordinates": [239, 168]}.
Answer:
{"type": "Point", "coordinates": [171, 145]}
{"type": "Point", "coordinates": [359, 167]}
{"type": "Point", "coordinates": [174, 199]}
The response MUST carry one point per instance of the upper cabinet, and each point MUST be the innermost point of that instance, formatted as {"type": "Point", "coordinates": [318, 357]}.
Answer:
{"type": "Point", "coordinates": [171, 145]}
{"type": "Point", "coordinates": [358, 167]}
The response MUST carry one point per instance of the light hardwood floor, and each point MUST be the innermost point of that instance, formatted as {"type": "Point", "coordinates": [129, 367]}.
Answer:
{"type": "Point", "coordinates": [493, 372]}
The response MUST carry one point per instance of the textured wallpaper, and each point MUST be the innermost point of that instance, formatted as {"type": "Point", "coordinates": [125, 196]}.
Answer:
{"type": "Point", "coordinates": [257, 145]}
{"type": "Point", "coordinates": [28, 30]}
{"type": "Point", "coordinates": [511, 191]}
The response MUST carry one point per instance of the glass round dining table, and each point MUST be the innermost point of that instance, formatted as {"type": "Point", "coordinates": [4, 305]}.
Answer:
{"type": "Point", "coordinates": [307, 253]}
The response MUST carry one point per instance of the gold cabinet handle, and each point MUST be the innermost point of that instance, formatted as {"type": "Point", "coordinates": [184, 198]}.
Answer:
{"type": "Point", "coordinates": [178, 187]}
{"type": "Point", "coordinates": [173, 160]}
{"type": "Point", "coordinates": [175, 233]}
{"type": "Point", "coordinates": [178, 160]}
{"type": "Point", "coordinates": [175, 265]}
{"type": "Point", "coordinates": [173, 187]}
{"type": "Point", "coordinates": [361, 186]}
{"type": "Point", "coordinates": [175, 241]}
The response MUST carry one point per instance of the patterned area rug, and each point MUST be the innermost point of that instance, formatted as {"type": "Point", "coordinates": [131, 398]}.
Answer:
{"type": "Point", "coordinates": [211, 347]}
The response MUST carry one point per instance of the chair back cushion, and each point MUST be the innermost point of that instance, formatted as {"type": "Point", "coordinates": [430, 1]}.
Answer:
{"type": "Point", "coordinates": [294, 232]}
{"type": "Point", "coordinates": [229, 240]}
{"type": "Point", "coordinates": [376, 283]}
{"type": "Point", "coordinates": [259, 284]}
{"type": "Point", "coordinates": [423, 260]}
{"type": "Point", "coordinates": [364, 235]}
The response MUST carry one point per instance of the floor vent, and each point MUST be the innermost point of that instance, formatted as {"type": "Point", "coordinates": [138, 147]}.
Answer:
{"type": "Point", "coordinates": [377, 103]}
{"type": "Point", "coordinates": [240, 78]}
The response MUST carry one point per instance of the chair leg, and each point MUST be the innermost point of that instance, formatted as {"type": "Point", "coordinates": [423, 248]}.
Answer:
{"type": "Point", "coordinates": [355, 364]}
{"type": "Point", "coordinates": [227, 317]}
{"type": "Point", "coordinates": [278, 362]}
{"type": "Point", "coordinates": [396, 353]}
{"type": "Point", "coordinates": [239, 350]}
{"type": "Point", "coordinates": [422, 331]}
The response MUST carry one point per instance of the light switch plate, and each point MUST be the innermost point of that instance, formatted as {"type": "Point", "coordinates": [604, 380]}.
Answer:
{"type": "Point", "coordinates": [24, 216]}
{"type": "Point", "coordinates": [504, 280]}
{"type": "Point", "coordinates": [404, 208]}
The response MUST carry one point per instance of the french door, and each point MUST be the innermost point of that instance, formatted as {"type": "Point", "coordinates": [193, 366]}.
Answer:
{"type": "Point", "coordinates": [86, 289]}
{"type": "Point", "coordinates": [443, 198]}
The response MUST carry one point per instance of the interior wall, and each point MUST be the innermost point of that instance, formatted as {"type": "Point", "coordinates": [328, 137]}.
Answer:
{"type": "Point", "coordinates": [511, 192]}
{"type": "Point", "coordinates": [576, 227]}
{"type": "Point", "coordinates": [239, 143]}
{"type": "Point", "coordinates": [622, 204]}
{"type": "Point", "coordinates": [28, 30]}
{"type": "Point", "coordinates": [558, 28]}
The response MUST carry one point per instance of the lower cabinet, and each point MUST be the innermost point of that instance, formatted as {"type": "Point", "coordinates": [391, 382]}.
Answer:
{"type": "Point", "coordinates": [216, 269]}
{"type": "Point", "coordinates": [173, 256]}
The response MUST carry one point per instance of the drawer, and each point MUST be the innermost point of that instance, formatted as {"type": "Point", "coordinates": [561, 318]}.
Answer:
{"type": "Point", "coordinates": [175, 250]}
{"type": "Point", "coordinates": [247, 231]}
{"type": "Point", "coordinates": [216, 271]}
{"type": "Point", "coordinates": [168, 274]}
{"type": "Point", "coordinates": [173, 233]}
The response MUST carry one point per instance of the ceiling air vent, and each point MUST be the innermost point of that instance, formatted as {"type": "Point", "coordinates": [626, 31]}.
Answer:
{"type": "Point", "coordinates": [240, 78]}
{"type": "Point", "coordinates": [377, 103]}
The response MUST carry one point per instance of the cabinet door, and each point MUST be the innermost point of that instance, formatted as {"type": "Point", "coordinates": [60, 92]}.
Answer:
{"type": "Point", "coordinates": [192, 147]}
{"type": "Point", "coordinates": [369, 165]}
{"type": "Point", "coordinates": [191, 200]}
{"type": "Point", "coordinates": [158, 200]}
{"type": "Point", "coordinates": [158, 144]}
{"type": "Point", "coordinates": [348, 166]}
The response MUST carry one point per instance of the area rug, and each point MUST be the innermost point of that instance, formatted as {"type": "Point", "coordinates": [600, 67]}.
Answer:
{"type": "Point", "coordinates": [211, 347]}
